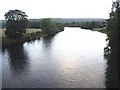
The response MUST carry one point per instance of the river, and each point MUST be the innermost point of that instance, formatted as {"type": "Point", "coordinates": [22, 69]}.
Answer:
{"type": "Point", "coordinates": [72, 58]}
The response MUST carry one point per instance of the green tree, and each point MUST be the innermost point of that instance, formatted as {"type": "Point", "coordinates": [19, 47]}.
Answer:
{"type": "Point", "coordinates": [113, 32]}
{"type": "Point", "coordinates": [49, 27]}
{"type": "Point", "coordinates": [16, 23]}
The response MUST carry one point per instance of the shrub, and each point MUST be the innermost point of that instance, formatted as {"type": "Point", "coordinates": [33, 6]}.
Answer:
{"type": "Point", "coordinates": [27, 37]}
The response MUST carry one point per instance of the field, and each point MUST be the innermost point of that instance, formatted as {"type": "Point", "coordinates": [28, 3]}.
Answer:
{"type": "Point", "coordinates": [32, 30]}
{"type": "Point", "coordinates": [28, 31]}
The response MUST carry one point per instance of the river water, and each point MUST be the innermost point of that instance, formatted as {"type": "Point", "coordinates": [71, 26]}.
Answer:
{"type": "Point", "coordinates": [70, 59]}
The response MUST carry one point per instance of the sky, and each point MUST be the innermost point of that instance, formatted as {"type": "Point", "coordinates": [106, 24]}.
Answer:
{"type": "Point", "coordinates": [58, 8]}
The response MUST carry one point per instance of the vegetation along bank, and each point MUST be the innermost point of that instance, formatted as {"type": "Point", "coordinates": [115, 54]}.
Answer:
{"type": "Point", "coordinates": [17, 30]}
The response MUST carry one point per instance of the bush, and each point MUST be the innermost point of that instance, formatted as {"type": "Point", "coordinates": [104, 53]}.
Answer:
{"type": "Point", "coordinates": [27, 37]}
{"type": "Point", "coordinates": [33, 35]}
{"type": "Point", "coordinates": [38, 33]}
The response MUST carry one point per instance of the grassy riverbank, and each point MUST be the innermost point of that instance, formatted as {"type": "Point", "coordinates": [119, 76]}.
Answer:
{"type": "Point", "coordinates": [102, 30]}
{"type": "Point", "coordinates": [31, 34]}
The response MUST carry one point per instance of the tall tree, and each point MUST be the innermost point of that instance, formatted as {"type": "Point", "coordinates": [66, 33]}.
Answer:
{"type": "Point", "coordinates": [16, 23]}
{"type": "Point", "coordinates": [113, 27]}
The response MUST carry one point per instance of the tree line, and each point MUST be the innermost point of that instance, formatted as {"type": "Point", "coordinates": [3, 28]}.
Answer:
{"type": "Point", "coordinates": [86, 25]}
{"type": "Point", "coordinates": [17, 23]}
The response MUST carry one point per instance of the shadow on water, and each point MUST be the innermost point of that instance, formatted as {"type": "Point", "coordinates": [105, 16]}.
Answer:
{"type": "Point", "coordinates": [18, 59]}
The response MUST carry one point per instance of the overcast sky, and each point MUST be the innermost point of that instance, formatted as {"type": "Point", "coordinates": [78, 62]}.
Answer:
{"type": "Point", "coordinates": [58, 8]}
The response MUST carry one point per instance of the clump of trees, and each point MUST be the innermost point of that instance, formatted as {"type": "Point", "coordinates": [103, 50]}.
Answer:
{"type": "Point", "coordinates": [113, 26]}
{"type": "Point", "coordinates": [86, 25]}
{"type": "Point", "coordinates": [16, 23]}
{"type": "Point", "coordinates": [50, 27]}
{"type": "Point", "coordinates": [91, 25]}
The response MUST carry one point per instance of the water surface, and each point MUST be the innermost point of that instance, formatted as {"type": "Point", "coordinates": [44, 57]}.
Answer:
{"type": "Point", "coordinates": [70, 59]}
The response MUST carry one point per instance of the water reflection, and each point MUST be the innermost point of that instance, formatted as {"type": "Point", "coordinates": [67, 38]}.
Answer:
{"type": "Point", "coordinates": [18, 59]}
{"type": "Point", "coordinates": [47, 41]}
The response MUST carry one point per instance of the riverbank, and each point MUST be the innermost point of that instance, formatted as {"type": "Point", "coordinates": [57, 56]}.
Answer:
{"type": "Point", "coordinates": [31, 34]}
{"type": "Point", "coordinates": [102, 30]}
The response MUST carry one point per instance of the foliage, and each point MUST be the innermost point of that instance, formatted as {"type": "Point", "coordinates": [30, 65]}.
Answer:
{"type": "Point", "coordinates": [34, 24]}
{"type": "Point", "coordinates": [86, 25]}
{"type": "Point", "coordinates": [31, 34]}
{"type": "Point", "coordinates": [113, 33]}
{"type": "Point", "coordinates": [16, 23]}
{"type": "Point", "coordinates": [27, 37]}
{"type": "Point", "coordinates": [113, 25]}
{"type": "Point", "coordinates": [49, 27]}
{"type": "Point", "coordinates": [102, 30]}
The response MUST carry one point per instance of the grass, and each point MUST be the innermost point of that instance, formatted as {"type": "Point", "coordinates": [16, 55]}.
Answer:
{"type": "Point", "coordinates": [32, 30]}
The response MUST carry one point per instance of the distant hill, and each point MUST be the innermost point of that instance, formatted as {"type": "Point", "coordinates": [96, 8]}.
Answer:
{"type": "Point", "coordinates": [69, 20]}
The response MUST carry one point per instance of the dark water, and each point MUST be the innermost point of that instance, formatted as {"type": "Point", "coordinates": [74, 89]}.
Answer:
{"type": "Point", "coordinates": [70, 59]}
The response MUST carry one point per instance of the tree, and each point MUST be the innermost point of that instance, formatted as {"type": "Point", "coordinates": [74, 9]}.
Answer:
{"type": "Point", "coordinates": [16, 23]}
{"type": "Point", "coordinates": [49, 27]}
{"type": "Point", "coordinates": [114, 39]}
